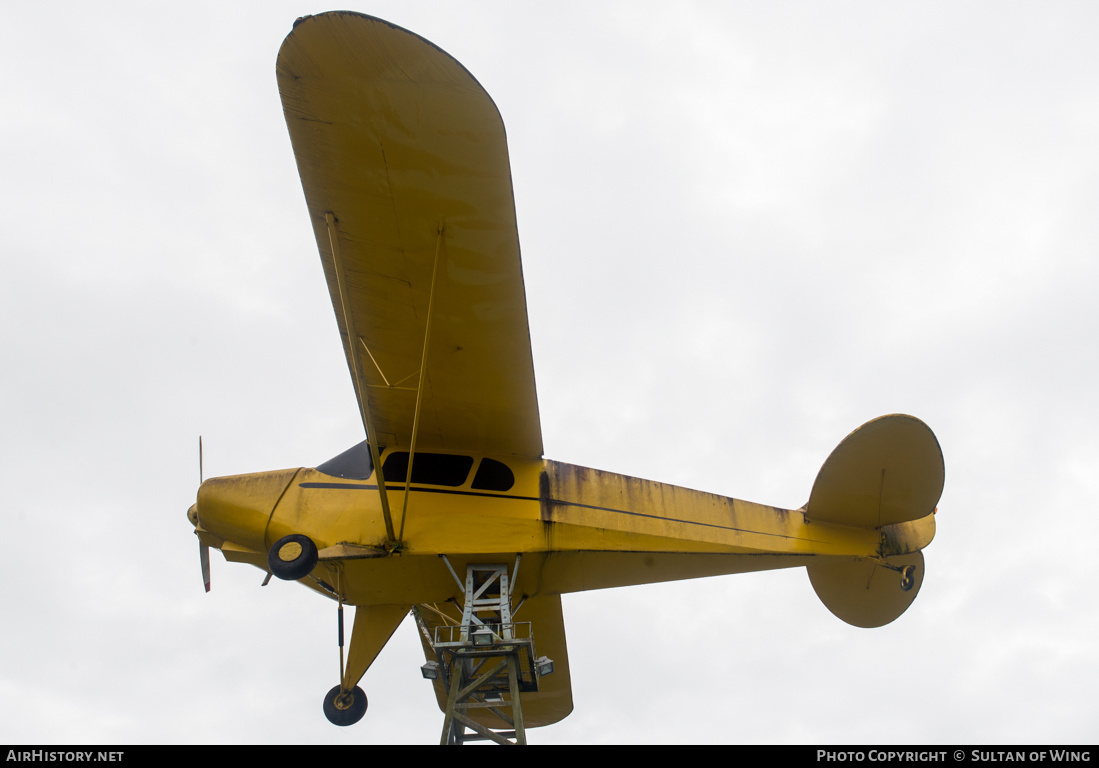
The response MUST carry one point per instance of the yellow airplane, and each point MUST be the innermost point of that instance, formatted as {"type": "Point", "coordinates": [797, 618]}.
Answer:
{"type": "Point", "coordinates": [448, 510]}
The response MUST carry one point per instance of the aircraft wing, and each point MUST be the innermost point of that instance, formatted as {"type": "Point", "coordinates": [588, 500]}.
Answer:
{"type": "Point", "coordinates": [404, 164]}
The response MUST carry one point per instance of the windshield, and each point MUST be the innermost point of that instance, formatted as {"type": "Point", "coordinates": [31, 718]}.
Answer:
{"type": "Point", "coordinates": [352, 464]}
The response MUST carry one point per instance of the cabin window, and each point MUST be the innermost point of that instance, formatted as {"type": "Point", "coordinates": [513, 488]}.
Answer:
{"type": "Point", "coordinates": [352, 464]}
{"type": "Point", "coordinates": [493, 475]}
{"type": "Point", "coordinates": [428, 468]}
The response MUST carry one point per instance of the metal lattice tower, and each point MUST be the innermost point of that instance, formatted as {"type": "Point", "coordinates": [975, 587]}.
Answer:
{"type": "Point", "coordinates": [485, 662]}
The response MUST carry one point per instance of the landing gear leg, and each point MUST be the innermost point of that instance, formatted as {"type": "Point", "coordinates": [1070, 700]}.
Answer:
{"type": "Point", "coordinates": [344, 705]}
{"type": "Point", "coordinates": [374, 624]}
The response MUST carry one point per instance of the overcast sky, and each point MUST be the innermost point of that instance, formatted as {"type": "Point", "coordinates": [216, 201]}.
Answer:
{"type": "Point", "coordinates": [746, 228]}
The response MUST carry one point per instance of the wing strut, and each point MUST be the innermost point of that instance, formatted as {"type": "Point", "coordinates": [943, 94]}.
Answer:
{"type": "Point", "coordinates": [423, 379]}
{"type": "Point", "coordinates": [356, 370]}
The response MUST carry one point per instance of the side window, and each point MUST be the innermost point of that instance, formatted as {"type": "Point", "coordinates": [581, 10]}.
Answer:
{"type": "Point", "coordinates": [493, 475]}
{"type": "Point", "coordinates": [428, 468]}
{"type": "Point", "coordinates": [352, 464]}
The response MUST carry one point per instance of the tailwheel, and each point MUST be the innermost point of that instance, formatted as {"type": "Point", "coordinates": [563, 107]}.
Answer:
{"type": "Point", "coordinates": [908, 577]}
{"type": "Point", "coordinates": [292, 557]}
{"type": "Point", "coordinates": [345, 707]}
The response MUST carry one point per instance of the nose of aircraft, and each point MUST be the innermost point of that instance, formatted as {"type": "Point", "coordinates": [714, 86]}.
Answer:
{"type": "Point", "coordinates": [237, 508]}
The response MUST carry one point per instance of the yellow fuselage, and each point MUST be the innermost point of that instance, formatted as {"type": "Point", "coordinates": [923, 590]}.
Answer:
{"type": "Point", "coordinates": [577, 529]}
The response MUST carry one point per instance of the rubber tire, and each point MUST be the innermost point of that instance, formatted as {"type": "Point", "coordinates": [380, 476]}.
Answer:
{"type": "Point", "coordinates": [349, 716]}
{"type": "Point", "coordinates": [908, 577]}
{"type": "Point", "coordinates": [300, 566]}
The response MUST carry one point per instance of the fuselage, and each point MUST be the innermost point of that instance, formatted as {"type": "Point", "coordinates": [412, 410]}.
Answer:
{"type": "Point", "coordinates": [576, 528]}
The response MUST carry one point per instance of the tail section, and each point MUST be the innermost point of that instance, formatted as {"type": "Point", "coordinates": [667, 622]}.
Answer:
{"type": "Point", "coordinates": [886, 475]}
{"type": "Point", "coordinates": [867, 593]}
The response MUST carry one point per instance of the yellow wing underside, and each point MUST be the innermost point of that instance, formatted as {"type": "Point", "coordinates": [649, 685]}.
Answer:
{"type": "Point", "coordinates": [404, 164]}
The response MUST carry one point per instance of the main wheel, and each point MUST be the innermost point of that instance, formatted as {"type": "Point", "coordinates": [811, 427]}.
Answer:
{"type": "Point", "coordinates": [292, 557]}
{"type": "Point", "coordinates": [347, 708]}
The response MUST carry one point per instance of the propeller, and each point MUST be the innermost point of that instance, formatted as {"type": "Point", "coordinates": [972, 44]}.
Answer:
{"type": "Point", "coordinates": [203, 549]}
{"type": "Point", "coordinates": [204, 561]}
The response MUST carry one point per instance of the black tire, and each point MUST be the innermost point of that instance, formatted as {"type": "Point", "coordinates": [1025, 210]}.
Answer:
{"type": "Point", "coordinates": [908, 577]}
{"type": "Point", "coordinates": [347, 709]}
{"type": "Point", "coordinates": [291, 563]}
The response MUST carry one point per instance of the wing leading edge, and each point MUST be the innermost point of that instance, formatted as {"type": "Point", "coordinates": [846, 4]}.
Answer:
{"type": "Point", "coordinates": [404, 164]}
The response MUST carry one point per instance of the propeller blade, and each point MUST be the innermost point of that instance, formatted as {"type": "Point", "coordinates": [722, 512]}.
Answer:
{"type": "Point", "coordinates": [203, 550]}
{"type": "Point", "coordinates": [204, 560]}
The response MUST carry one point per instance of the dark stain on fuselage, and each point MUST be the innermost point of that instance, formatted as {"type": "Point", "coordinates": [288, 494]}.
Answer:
{"type": "Point", "coordinates": [545, 507]}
